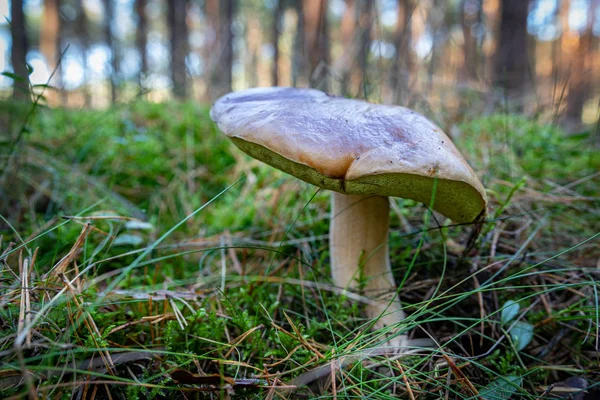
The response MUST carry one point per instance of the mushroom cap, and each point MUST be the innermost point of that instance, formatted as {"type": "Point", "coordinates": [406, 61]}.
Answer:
{"type": "Point", "coordinates": [352, 147]}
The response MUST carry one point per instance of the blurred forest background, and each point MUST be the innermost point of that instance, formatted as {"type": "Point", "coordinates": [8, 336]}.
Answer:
{"type": "Point", "coordinates": [541, 55]}
{"type": "Point", "coordinates": [129, 225]}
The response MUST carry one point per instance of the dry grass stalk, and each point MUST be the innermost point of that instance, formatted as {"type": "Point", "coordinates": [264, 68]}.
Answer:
{"type": "Point", "coordinates": [333, 378]}
{"type": "Point", "coordinates": [178, 315]}
{"type": "Point", "coordinates": [62, 265]}
{"type": "Point", "coordinates": [101, 217]}
{"type": "Point", "coordinates": [301, 339]}
{"type": "Point", "coordinates": [25, 304]}
{"type": "Point", "coordinates": [462, 379]}
{"type": "Point", "coordinates": [406, 382]}
{"type": "Point", "coordinates": [290, 354]}
{"type": "Point", "coordinates": [235, 342]}
{"type": "Point", "coordinates": [91, 325]}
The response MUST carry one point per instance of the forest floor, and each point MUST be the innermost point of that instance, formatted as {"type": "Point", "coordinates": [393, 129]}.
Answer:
{"type": "Point", "coordinates": [144, 256]}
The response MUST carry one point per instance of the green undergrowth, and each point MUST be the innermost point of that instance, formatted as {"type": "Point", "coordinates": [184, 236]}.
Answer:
{"type": "Point", "coordinates": [145, 256]}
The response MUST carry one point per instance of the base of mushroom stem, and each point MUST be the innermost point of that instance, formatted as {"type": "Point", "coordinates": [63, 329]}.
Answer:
{"type": "Point", "coordinates": [358, 240]}
{"type": "Point", "coordinates": [387, 316]}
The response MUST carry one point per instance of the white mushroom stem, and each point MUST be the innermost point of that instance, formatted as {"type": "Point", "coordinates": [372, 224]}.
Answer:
{"type": "Point", "coordinates": [358, 240]}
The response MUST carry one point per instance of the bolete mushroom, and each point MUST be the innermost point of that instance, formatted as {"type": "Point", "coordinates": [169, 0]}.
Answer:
{"type": "Point", "coordinates": [363, 153]}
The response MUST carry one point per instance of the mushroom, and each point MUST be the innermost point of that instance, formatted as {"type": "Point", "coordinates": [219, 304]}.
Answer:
{"type": "Point", "coordinates": [363, 153]}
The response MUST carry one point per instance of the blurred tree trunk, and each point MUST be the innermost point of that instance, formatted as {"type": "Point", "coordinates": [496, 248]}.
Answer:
{"type": "Point", "coordinates": [364, 23]}
{"type": "Point", "coordinates": [19, 51]}
{"type": "Point", "coordinates": [594, 88]}
{"type": "Point", "coordinates": [316, 42]}
{"type": "Point", "coordinates": [471, 20]}
{"type": "Point", "coordinates": [252, 68]}
{"type": "Point", "coordinates": [50, 44]}
{"type": "Point", "coordinates": [211, 49]}
{"type": "Point", "coordinates": [83, 36]}
{"type": "Point", "coordinates": [581, 72]}
{"type": "Point", "coordinates": [402, 65]}
{"type": "Point", "coordinates": [49, 32]}
{"type": "Point", "coordinates": [277, 13]}
{"type": "Point", "coordinates": [60, 52]}
{"type": "Point", "coordinates": [227, 13]}
{"type": "Point", "coordinates": [108, 19]}
{"type": "Point", "coordinates": [435, 20]}
{"type": "Point", "coordinates": [222, 77]}
{"type": "Point", "coordinates": [347, 26]}
{"type": "Point", "coordinates": [253, 39]}
{"type": "Point", "coordinates": [561, 14]}
{"type": "Point", "coordinates": [141, 39]}
{"type": "Point", "coordinates": [512, 51]}
{"type": "Point", "coordinates": [471, 13]}
{"type": "Point", "coordinates": [298, 59]}
{"type": "Point", "coordinates": [178, 35]}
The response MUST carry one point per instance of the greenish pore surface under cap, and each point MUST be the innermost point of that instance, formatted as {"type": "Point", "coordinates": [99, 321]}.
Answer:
{"type": "Point", "coordinates": [457, 200]}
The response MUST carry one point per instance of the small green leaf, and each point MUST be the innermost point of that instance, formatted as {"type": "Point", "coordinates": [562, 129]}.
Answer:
{"type": "Point", "coordinates": [139, 225]}
{"type": "Point", "coordinates": [44, 86]}
{"type": "Point", "coordinates": [14, 77]}
{"type": "Point", "coordinates": [579, 136]}
{"type": "Point", "coordinates": [127, 239]}
{"type": "Point", "coordinates": [502, 388]}
{"type": "Point", "coordinates": [509, 311]}
{"type": "Point", "coordinates": [521, 334]}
